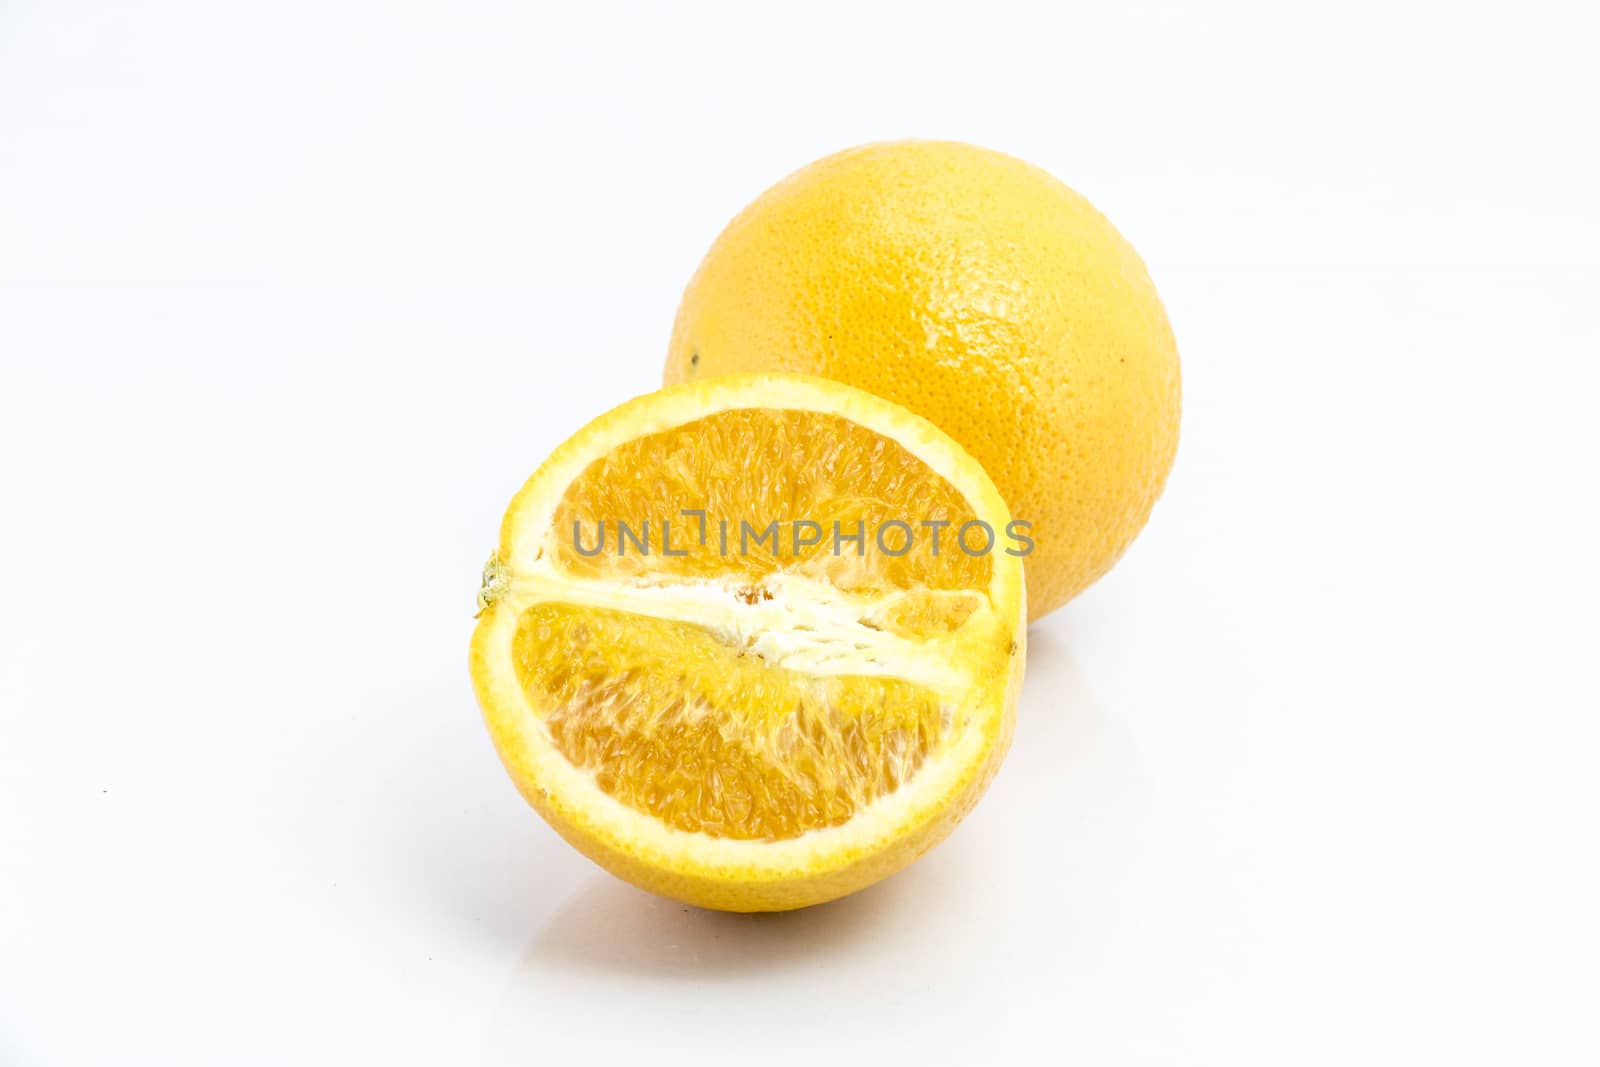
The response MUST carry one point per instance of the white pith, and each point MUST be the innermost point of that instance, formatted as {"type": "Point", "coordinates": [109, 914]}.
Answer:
{"type": "Point", "coordinates": [803, 624]}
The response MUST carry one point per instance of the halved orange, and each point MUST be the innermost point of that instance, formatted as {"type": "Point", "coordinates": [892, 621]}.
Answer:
{"type": "Point", "coordinates": [753, 642]}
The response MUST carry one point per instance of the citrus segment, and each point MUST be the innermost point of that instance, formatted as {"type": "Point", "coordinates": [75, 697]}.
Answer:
{"type": "Point", "coordinates": [772, 490]}
{"type": "Point", "coordinates": [676, 722]}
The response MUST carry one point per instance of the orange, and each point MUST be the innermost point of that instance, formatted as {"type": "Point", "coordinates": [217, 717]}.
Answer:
{"type": "Point", "coordinates": [979, 292]}
{"type": "Point", "coordinates": [752, 726]}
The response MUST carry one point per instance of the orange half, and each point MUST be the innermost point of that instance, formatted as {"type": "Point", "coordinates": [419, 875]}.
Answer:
{"type": "Point", "coordinates": [754, 642]}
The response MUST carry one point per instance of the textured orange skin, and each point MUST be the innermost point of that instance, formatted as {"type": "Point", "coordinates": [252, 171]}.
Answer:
{"type": "Point", "coordinates": [981, 293]}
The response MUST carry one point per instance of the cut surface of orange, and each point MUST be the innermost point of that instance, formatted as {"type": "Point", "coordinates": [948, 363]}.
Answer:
{"type": "Point", "coordinates": [755, 642]}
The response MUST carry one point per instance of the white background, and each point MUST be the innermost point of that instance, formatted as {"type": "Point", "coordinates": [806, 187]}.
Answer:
{"type": "Point", "coordinates": [296, 294]}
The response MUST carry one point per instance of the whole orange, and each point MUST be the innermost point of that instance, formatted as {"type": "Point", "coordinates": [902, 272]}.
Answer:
{"type": "Point", "coordinates": [980, 292]}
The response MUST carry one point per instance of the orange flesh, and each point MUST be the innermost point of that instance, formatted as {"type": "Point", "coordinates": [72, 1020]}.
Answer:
{"type": "Point", "coordinates": [757, 466]}
{"type": "Point", "coordinates": [694, 728]}
{"type": "Point", "coordinates": [677, 723]}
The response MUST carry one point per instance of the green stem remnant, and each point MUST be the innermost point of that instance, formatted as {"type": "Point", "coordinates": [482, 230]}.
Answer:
{"type": "Point", "coordinates": [496, 580]}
